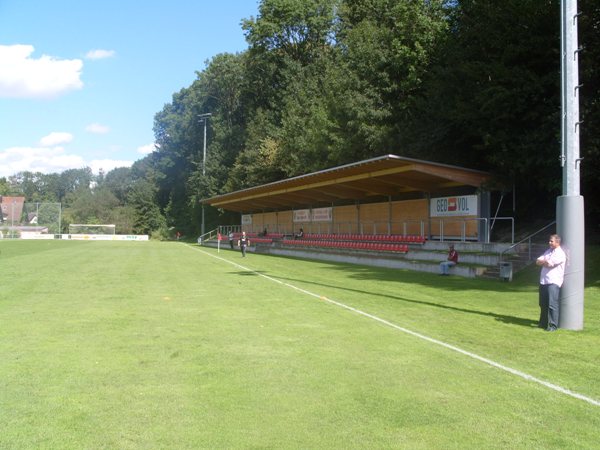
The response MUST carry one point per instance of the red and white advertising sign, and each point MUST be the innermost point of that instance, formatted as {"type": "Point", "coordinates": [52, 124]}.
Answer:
{"type": "Point", "coordinates": [322, 214]}
{"type": "Point", "coordinates": [463, 205]}
{"type": "Point", "coordinates": [302, 215]}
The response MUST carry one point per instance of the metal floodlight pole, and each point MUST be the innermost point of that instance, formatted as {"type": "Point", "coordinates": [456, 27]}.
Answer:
{"type": "Point", "coordinates": [203, 117]}
{"type": "Point", "coordinates": [569, 206]}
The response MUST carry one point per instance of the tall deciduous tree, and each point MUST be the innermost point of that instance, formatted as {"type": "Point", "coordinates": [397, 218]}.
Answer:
{"type": "Point", "coordinates": [291, 43]}
{"type": "Point", "coordinates": [388, 47]}
{"type": "Point", "coordinates": [4, 186]}
{"type": "Point", "coordinates": [492, 99]}
{"type": "Point", "coordinates": [147, 217]}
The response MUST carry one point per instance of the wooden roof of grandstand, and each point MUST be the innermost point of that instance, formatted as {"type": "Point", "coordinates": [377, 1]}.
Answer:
{"type": "Point", "coordinates": [384, 176]}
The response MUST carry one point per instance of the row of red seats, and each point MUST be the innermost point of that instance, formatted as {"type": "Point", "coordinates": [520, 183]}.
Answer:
{"type": "Point", "coordinates": [373, 246]}
{"type": "Point", "coordinates": [253, 240]}
{"type": "Point", "coordinates": [369, 237]}
{"type": "Point", "coordinates": [254, 235]}
{"type": "Point", "coordinates": [261, 240]}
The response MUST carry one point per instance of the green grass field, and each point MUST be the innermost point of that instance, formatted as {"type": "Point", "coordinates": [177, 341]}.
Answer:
{"type": "Point", "coordinates": [149, 345]}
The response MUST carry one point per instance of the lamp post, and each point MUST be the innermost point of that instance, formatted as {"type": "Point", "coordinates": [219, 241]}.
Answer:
{"type": "Point", "coordinates": [203, 118]}
{"type": "Point", "coordinates": [570, 212]}
{"type": "Point", "coordinates": [12, 219]}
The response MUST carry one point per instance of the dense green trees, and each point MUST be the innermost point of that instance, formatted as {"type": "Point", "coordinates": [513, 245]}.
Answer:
{"type": "Point", "coordinates": [492, 98]}
{"type": "Point", "coordinates": [328, 82]}
{"type": "Point", "coordinates": [85, 198]}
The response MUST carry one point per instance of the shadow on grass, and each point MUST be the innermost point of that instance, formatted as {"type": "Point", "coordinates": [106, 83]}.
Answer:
{"type": "Point", "coordinates": [499, 317]}
{"type": "Point", "coordinates": [525, 281]}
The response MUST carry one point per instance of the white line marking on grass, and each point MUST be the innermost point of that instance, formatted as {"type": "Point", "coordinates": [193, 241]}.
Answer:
{"type": "Point", "coordinates": [415, 334]}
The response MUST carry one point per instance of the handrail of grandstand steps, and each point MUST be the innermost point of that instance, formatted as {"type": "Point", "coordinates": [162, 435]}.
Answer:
{"type": "Point", "coordinates": [209, 235]}
{"type": "Point", "coordinates": [528, 240]}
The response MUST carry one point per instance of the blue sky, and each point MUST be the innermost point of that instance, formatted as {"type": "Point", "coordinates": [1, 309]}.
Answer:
{"type": "Point", "coordinates": [81, 80]}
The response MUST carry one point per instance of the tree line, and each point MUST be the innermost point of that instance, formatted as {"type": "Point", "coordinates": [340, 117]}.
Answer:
{"type": "Point", "coordinates": [474, 83]}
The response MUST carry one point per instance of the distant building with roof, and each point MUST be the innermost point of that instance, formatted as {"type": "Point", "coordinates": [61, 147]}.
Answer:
{"type": "Point", "coordinates": [12, 209]}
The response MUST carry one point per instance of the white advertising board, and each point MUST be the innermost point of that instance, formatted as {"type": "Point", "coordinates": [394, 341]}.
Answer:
{"type": "Point", "coordinates": [106, 237]}
{"type": "Point", "coordinates": [302, 215]}
{"type": "Point", "coordinates": [36, 236]}
{"type": "Point", "coordinates": [464, 205]}
{"type": "Point", "coordinates": [322, 214]}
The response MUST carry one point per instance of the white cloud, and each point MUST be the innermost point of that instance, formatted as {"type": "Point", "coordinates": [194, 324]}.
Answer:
{"type": "Point", "coordinates": [24, 77]}
{"type": "Point", "coordinates": [56, 138]}
{"type": "Point", "coordinates": [108, 164]}
{"type": "Point", "coordinates": [97, 128]}
{"type": "Point", "coordinates": [100, 54]}
{"type": "Point", "coordinates": [146, 149]}
{"type": "Point", "coordinates": [51, 157]}
{"type": "Point", "coordinates": [37, 159]}
{"type": "Point", "coordinates": [50, 160]}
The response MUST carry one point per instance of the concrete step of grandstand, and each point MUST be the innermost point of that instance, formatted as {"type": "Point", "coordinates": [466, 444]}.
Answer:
{"type": "Point", "coordinates": [476, 259]}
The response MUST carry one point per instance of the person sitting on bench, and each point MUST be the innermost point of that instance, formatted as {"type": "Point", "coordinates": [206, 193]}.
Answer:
{"type": "Point", "coordinates": [451, 261]}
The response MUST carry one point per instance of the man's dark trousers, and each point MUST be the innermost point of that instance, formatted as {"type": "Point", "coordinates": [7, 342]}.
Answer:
{"type": "Point", "coordinates": [549, 306]}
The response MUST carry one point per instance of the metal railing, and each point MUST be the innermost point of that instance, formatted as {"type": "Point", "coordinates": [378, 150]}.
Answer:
{"type": "Point", "coordinates": [416, 227]}
{"type": "Point", "coordinates": [512, 227]}
{"type": "Point", "coordinates": [212, 234]}
{"type": "Point", "coordinates": [413, 227]}
{"type": "Point", "coordinates": [463, 229]}
{"type": "Point", "coordinates": [226, 229]}
{"type": "Point", "coordinates": [528, 242]}
{"type": "Point", "coordinates": [487, 230]}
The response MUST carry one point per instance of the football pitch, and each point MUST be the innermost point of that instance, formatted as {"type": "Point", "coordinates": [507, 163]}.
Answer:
{"type": "Point", "coordinates": [164, 345]}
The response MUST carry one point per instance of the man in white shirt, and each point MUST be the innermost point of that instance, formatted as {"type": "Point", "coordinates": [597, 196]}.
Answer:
{"type": "Point", "coordinates": [553, 263]}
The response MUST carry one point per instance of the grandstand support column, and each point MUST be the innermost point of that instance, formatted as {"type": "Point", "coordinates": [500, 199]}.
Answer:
{"type": "Point", "coordinates": [390, 215]}
{"type": "Point", "coordinates": [569, 206]}
{"type": "Point", "coordinates": [485, 213]}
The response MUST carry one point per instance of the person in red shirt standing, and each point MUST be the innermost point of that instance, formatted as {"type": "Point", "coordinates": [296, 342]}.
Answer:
{"type": "Point", "coordinates": [451, 261]}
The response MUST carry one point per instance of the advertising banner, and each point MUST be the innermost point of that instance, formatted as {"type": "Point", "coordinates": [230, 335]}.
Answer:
{"type": "Point", "coordinates": [106, 237]}
{"type": "Point", "coordinates": [464, 205]}
{"type": "Point", "coordinates": [322, 214]}
{"type": "Point", "coordinates": [302, 215]}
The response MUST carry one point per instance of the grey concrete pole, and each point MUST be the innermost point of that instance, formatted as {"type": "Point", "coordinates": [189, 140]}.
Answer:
{"type": "Point", "coordinates": [569, 206]}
